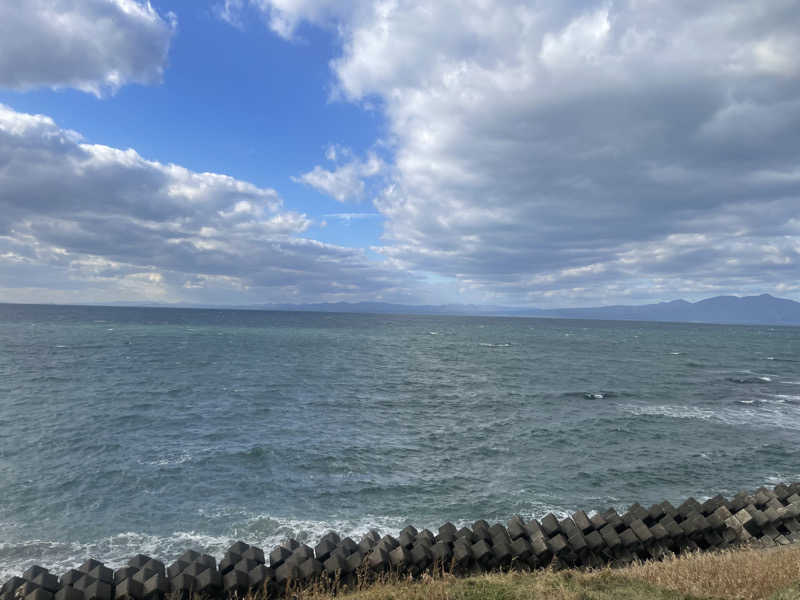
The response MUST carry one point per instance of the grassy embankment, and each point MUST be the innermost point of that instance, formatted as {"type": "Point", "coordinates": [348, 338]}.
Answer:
{"type": "Point", "coordinates": [746, 574]}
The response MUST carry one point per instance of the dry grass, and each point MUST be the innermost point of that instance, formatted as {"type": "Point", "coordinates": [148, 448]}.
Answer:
{"type": "Point", "coordinates": [737, 575]}
{"type": "Point", "coordinates": [740, 575]}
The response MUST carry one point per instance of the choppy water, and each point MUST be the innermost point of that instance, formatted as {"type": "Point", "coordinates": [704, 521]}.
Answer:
{"type": "Point", "coordinates": [125, 430]}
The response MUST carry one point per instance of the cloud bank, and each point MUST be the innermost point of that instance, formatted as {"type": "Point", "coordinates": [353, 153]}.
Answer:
{"type": "Point", "coordinates": [102, 223]}
{"type": "Point", "coordinates": [577, 153]}
{"type": "Point", "coordinates": [91, 45]}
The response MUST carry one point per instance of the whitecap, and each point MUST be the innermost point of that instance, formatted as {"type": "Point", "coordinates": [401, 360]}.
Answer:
{"type": "Point", "coordinates": [487, 345]}
{"type": "Point", "coordinates": [676, 353]}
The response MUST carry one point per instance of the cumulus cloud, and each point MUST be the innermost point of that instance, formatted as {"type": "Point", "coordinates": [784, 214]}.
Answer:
{"type": "Point", "coordinates": [570, 152]}
{"type": "Point", "coordinates": [105, 223]}
{"type": "Point", "coordinates": [346, 181]}
{"type": "Point", "coordinates": [92, 45]}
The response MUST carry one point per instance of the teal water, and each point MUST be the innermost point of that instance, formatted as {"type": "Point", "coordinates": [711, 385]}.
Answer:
{"type": "Point", "coordinates": [126, 430]}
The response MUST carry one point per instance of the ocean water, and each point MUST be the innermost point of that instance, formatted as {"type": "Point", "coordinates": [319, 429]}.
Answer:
{"type": "Point", "coordinates": [126, 430]}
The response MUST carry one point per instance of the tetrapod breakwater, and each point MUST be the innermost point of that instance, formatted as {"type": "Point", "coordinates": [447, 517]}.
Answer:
{"type": "Point", "coordinates": [764, 517]}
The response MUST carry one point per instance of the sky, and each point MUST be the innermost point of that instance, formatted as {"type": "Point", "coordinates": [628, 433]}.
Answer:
{"type": "Point", "coordinates": [540, 154]}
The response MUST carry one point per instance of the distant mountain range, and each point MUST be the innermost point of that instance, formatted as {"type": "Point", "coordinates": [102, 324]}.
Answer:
{"type": "Point", "coordinates": [763, 309]}
{"type": "Point", "coordinates": [748, 310]}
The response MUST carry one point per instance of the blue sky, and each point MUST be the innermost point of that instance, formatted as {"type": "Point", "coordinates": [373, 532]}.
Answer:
{"type": "Point", "coordinates": [517, 153]}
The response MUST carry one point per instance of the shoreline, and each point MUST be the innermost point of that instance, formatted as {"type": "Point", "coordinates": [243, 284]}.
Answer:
{"type": "Point", "coordinates": [764, 518]}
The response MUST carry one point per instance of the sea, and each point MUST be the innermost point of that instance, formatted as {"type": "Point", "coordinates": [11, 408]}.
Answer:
{"type": "Point", "coordinates": [154, 430]}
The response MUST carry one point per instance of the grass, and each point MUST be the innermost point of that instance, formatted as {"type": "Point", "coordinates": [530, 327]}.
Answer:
{"type": "Point", "coordinates": [745, 574]}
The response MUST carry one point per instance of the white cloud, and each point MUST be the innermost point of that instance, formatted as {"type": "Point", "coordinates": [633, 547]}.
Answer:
{"type": "Point", "coordinates": [345, 182]}
{"type": "Point", "coordinates": [91, 222]}
{"type": "Point", "coordinates": [93, 45]}
{"type": "Point", "coordinates": [535, 143]}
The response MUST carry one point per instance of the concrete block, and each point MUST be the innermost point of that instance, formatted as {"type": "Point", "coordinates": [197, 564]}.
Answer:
{"type": "Point", "coordinates": [157, 587]}
{"type": "Point", "coordinates": [336, 564]}
{"type": "Point", "coordinates": [668, 509]}
{"type": "Point", "coordinates": [400, 558]}
{"type": "Point", "coordinates": [501, 551]}
{"type": "Point", "coordinates": [558, 544]}
{"type": "Point", "coordinates": [47, 581]}
{"type": "Point", "coordinates": [209, 582]}
{"type": "Point", "coordinates": [252, 553]}
{"type": "Point", "coordinates": [39, 594]}
{"type": "Point", "coordinates": [499, 533]}
{"type": "Point", "coordinates": [301, 554]}
{"type": "Point", "coordinates": [782, 491]}
{"type": "Point", "coordinates": [378, 559]}
{"type": "Point", "coordinates": [182, 584]}
{"type": "Point", "coordinates": [408, 533]}
{"type": "Point", "coordinates": [442, 553]}
{"type": "Point", "coordinates": [138, 561]}
{"type": "Point", "coordinates": [641, 530]}
{"type": "Point", "coordinates": [577, 542]}
{"type": "Point", "coordinates": [102, 573]}
{"type": "Point", "coordinates": [448, 529]}
{"type": "Point", "coordinates": [322, 551]}
{"type": "Point", "coordinates": [481, 532]}
{"type": "Point", "coordinates": [610, 536]}
{"type": "Point", "coordinates": [739, 501]}
{"type": "Point", "coordinates": [481, 552]}
{"type": "Point", "coordinates": [761, 497]}
{"type": "Point", "coordinates": [310, 570]}
{"type": "Point", "coordinates": [31, 572]}
{"type": "Point", "coordinates": [84, 582]}
{"type": "Point", "coordinates": [613, 519]}
{"type": "Point", "coordinates": [550, 525]}
{"type": "Point", "coordinates": [286, 572]}
{"type": "Point", "coordinates": [462, 552]}
{"type": "Point", "coordinates": [176, 568]}
{"type": "Point", "coordinates": [521, 549]}
{"type": "Point", "coordinates": [772, 516]}
{"type": "Point", "coordinates": [421, 555]}
{"type": "Point", "coordinates": [673, 529]}
{"type": "Point", "coordinates": [689, 506]}
{"type": "Point", "coordinates": [238, 547]}
{"type": "Point", "coordinates": [155, 565]}
{"type": "Point", "coordinates": [792, 525]}
{"type": "Point", "coordinates": [629, 538]}
{"type": "Point", "coordinates": [654, 513]}
{"type": "Point", "coordinates": [534, 529]}
{"type": "Point", "coordinates": [594, 541]}
{"type": "Point", "coordinates": [388, 543]}
{"type": "Point", "coordinates": [759, 518]}
{"type": "Point", "coordinates": [189, 556]}
{"type": "Point", "coordinates": [278, 556]}
{"type": "Point", "coordinates": [69, 593]}
{"type": "Point", "coordinates": [466, 534]}
{"type": "Point", "coordinates": [516, 527]}
{"type": "Point", "coordinates": [99, 590]}
{"type": "Point", "coordinates": [426, 535]}
{"type": "Point", "coordinates": [348, 545]}
{"type": "Point", "coordinates": [480, 523]}
{"type": "Point", "coordinates": [782, 541]}
{"type": "Point", "coordinates": [712, 504]}
{"type": "Point", "coordinates": [567, 527]}
{"type": "Point", "coordinates": [235, 583]}
{"type": "Point", "coordinates": [713, 539]}
{"type": "Point", "coordinates": [659, 532]}
{"type": "Point", "coordinates": [228, 562]}
{"type": "Point", "coordinates": [10, 586]}
{"type": "Point", "coordinates": [598, 522]}
{"type": "Point", "coordinates": [355, 561]}
{"type": "Point", "coordinates": [291, 544]}
{"type": "Point", "coordinates": [582, 521]}
{"type": "Point", "coordinates": [260, 578]}
{"type": "Point", "coordinates": [26, 588]}
{"type": "Point", "coordinates": [770, 531]}
{"type": "Point", "coordinates": [129, 590]}
{"type": "Point", "coordinates": [635, 511]}
{"type": "Point", "coordinates": [195, 569]}
{"type": "Point", "coordinates": [540, 547]}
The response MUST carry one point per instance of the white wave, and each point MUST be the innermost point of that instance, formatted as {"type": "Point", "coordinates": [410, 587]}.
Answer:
{"type": "Point", "coordinates": [790, 397]}
{"type": "Point", "coordinates": [433, 333]}
{"type": "Point", "coordinates": [676, 353]}
{"type": "Point", "coordinates": [487, 345]}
